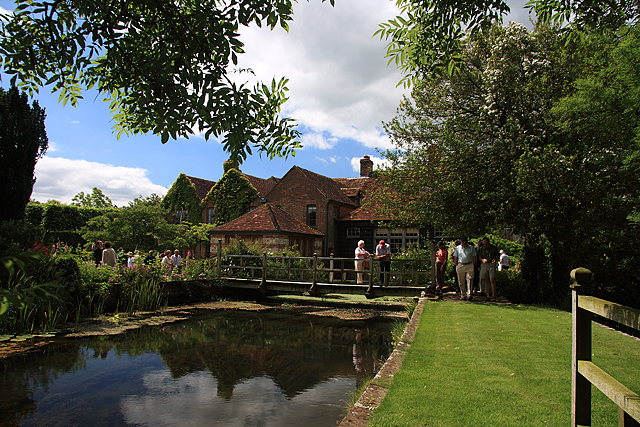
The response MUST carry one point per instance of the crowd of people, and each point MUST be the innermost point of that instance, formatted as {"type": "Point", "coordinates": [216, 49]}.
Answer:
{"type": "Point", "coordinates": [104, 254]}
{"type": "Point", "coordinates": [475, 268]}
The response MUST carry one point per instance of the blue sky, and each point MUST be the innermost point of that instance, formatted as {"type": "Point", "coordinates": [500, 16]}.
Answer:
{"type": "Point", "coordinates": [341, 90]}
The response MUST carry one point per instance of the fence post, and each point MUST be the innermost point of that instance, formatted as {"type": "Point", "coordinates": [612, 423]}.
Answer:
{"type": "Point", "coordinates": [263, 281]}
{"type": "Point", "coordinates": [370, 288]}
{"type": "Point", "coordinates": [314, 276]}
{"type": "Point", "coordinates": [580, 350]}
{"type": "Point", "coordinates": [219, 259]}
{"type": "Point", "coordinates": [331, 268]}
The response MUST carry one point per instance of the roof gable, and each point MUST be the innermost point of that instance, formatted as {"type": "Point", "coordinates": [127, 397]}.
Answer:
{"type": "Point", "coordinates": [328, 187]}
{"type": "Point", "coordinates": [266, 218]}
{"type": "Point", "coordinates": [203, 186]}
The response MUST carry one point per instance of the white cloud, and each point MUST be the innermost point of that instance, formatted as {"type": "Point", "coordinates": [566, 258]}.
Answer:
{"type": "Point", "coordinates": [377, 163]}
{"type": "Point", "coordinates": [52, 147]}
{"type": "Point", "coordinates": [317, 140]}
{"type": "Point", "coordinates": [4, 11]}
{"type": "Point", "coordinates": [339, 83]}
{"type": "Point", "coordinates": [60, 179]}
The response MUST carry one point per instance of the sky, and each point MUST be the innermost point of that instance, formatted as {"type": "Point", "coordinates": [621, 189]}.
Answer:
{"type": "Point", "coordinates": [340, 89]}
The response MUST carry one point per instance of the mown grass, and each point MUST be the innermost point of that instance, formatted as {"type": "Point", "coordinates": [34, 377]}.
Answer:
{"type": "Point", "coordinates": [491, 365]}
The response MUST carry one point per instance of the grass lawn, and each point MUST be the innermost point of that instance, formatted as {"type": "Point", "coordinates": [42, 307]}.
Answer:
{"type": "Point", "coordinates": [499, 365]}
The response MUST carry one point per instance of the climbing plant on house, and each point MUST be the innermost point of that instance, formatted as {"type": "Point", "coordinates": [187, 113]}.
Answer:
{"type": "Point", "coordinates": [182, 198]}
{"type": "Point", "coordinates": [231, 196]}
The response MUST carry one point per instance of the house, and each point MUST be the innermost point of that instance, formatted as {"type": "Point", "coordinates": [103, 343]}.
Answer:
{"type": "Point", "coordinates": [312, 212]}
{"type": "Point", "coordinates": [273, 228]}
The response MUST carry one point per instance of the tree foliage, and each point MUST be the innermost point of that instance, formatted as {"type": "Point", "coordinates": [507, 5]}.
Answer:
{"type": "Point", "coordinates": [97, 199]}
{"type": "Point", "coordinates": [163, 66]}
{"type": "Point", "coordinates": [521, 136]}
{"type": "Point", "coordinates": [427, 38]}
{"type": "Point", "coordinates": [23, 141]}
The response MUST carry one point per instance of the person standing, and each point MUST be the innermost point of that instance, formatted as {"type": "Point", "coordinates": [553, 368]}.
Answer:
{"type": "Point", "coordinates": [361, 256]}
{"type": "Point", "coordinates": [108, 255]}
{"type": "Point", "coordinates": [505, 260]}
{"type": "Point", "coordinates": [383, 255]}
{"type": "Point", "coordinates": [176, 260]}
{"type": "Point", "coordinates": [488, 255]}
{"type": "Point", "coordinates": [464, 257]}
{"type": "Point", "coordinates": [442, 256]}
{"type": "Point", "coordinates": [130, 260]}
{"type": "Point", "coordinates": [166, 260]}
{"type": "Point", "coordinates": [150, 259]}
{"type": "Point", "coordinates": [97, 253]}
{"type": "Point", "coordinates": [455, 267]}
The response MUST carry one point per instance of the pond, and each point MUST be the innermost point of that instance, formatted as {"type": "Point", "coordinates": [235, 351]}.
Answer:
{"type": "Point", "coordinates": [221, 368]}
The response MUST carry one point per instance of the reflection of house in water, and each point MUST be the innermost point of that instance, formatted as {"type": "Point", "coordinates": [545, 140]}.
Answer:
{"type": "Point", "coordinates": [311, 212]}
{"type": "Point", "coordinates": [296, 353]}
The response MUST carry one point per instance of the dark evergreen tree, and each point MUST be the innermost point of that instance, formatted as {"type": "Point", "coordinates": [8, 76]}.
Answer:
{"type": "Point", "coordinates": [23, 141]}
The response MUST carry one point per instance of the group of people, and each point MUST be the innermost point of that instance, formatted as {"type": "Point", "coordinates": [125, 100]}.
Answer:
{"type": "Point", "coordinates": [383, 255]}
{"type": "Point", "coordinates": [104, 254]}
{"type": "Point", "coordinates": [467, 262]}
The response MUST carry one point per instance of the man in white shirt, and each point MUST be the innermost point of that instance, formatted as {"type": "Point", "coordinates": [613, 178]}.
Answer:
{"type": "Point", "coordinates": [383, 255]}
{"type": "Point", "coordinates": [176, 260]}
{"type": "Point", "coordinates": [464, 258]}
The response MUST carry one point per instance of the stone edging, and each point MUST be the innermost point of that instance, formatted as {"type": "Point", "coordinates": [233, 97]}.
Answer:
{"type": "Point", "coordinates": [372, 396]}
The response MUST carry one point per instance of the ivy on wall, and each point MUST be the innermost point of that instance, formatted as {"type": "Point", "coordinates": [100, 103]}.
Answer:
{"type": "Point", "coordinates": [231, 196]}
{"type": "Point", "coordinates": [182, 196]}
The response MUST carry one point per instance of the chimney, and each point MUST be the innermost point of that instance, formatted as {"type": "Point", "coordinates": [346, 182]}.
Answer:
{"type": "Point", "coordinates": [366, 166]}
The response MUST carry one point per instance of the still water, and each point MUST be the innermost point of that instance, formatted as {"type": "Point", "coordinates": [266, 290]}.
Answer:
{"type": "Point", "coordinates": [217, 369]}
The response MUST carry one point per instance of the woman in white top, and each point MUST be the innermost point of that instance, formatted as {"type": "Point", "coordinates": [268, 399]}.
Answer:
{"type": "Point", "coordinates": [361, 256]}
{"type": "Point", "coordinates": [505, 261]}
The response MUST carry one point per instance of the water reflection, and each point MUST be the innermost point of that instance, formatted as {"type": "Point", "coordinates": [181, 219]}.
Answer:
{"type": "Point", "coordinates": [228, 368]}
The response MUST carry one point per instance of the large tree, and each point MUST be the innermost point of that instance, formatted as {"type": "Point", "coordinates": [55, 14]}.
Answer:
{"type": "Point", "coordinates": [522, 136]}
{"type": "Point", "coordinates": [97, 199]}
{"type": "Point", "coordinates": [23, 141]}
{"type": "Point", "coordinates": [427, 38]}
{"type": "Point", "coordinates": [164, 66]}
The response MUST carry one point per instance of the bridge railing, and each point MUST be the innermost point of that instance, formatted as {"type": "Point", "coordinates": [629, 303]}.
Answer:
{"type": "Point", "coordinates": [585, 372]}
{"type": "Point", "coordinates": [404, 272]}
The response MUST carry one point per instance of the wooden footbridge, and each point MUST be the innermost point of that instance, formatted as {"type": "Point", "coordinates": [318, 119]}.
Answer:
{"type": "Point", "coordinates": [324, 275]}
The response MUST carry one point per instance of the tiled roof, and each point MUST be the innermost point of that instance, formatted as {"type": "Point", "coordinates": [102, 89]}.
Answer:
{"type": "Point", "coordinates": [353, 183]}
{"type": "Point", "coordinates": [262, 185]}
{"type": "Point", "coordinates": [365, 214]}
{"type": "Point", "coordinates": [266, 218]}
{"type": "Point", "coordinates": [203, 186]}
{"type": "Point", "coordinates": [327, 186]}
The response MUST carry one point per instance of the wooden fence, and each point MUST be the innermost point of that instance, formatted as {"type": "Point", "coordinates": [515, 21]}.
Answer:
{"type": "Point", "coordinates": [584, 372]}
{"type": "Point", "coordinates": [404, 272]}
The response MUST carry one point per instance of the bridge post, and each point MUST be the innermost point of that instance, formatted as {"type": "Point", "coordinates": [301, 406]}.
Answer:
{"type": "Point", "coordinates": [219, 259]}
{"type": "Point", "coordinates": [263, 281]}
{"type": "Point", "coordinates": [370, 288]}
{"type": "Point", "coordinates": [580, 350]}
{"type": "Point", "coordinates": [314, 276]}
{"type": "Point", "coordinates": [331, 268]}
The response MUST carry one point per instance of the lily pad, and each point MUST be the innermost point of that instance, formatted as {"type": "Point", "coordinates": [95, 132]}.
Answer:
{"type": "Point", "coordinates": [17, 339]}
{"type": "Point", "coordinates": [4, 338]}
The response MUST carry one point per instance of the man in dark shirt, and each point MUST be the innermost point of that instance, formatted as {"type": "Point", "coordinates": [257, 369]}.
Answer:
{"type": "Point", "coordinates": [149, 258]}
{"type": "Point", "coordinates": [489, 256]}
{"type": "Point", "coordinates": [97, 253]}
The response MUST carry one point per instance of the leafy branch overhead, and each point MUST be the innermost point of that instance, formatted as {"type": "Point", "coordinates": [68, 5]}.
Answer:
{"type": "Point", "coordinates": [163, 66]}
{"type": "Point", "coordinates": [426, 39]}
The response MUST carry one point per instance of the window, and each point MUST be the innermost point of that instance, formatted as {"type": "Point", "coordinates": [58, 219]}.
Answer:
{"type": "Point", "coordinates": [211, 215]}
{"type": "Point", "coordinates": [311, 216]}
{"type": "Point", "coordinates": [353, 232]}
{"type": "Point", "coordinates": [181, 215]}
{"type": "Point", "coordinates": [398, 238]}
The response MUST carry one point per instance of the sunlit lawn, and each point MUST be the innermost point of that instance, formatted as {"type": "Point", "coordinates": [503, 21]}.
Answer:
{"type": "Point", "coordinates": [499, 365]}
